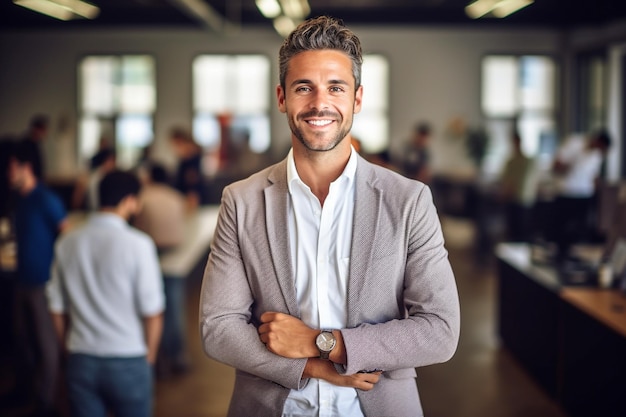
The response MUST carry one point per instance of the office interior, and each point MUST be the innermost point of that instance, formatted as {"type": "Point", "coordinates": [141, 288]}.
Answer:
{"type": "Point", "coordinates": [525, 330]}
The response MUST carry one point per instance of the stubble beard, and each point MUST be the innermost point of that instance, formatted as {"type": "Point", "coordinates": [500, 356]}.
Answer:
{"type": "Point", "coordinates": [309, 145]}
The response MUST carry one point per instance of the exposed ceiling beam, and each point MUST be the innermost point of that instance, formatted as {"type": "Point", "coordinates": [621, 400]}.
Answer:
{"type": "Point", "coordinates": [206, 15]}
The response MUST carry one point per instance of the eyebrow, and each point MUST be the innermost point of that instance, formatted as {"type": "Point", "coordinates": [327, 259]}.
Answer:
{"type": "Point", "coordinates": [307, 81]}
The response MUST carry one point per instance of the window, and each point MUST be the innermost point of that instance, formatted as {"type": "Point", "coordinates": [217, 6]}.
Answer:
{"type": "Point", "coordinates": [237, 86]}
{"type": "Point", "coordinates": [117, 100]}
{"type": "Point", "coordinates": [520, 90]}
{"type": "Point", "coordinates": [371, 125]}
{"type": "Point", "coordinates": [592, 92]}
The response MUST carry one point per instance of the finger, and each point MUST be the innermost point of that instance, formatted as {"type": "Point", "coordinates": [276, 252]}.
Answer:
{"type": "Point", "coordinates": [268, 316]}
{"type": "Point", "coordinates": [365, 386]}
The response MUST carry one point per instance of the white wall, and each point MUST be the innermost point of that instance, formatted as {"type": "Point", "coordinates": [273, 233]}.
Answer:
{"type": "Point", "coordinates": [435, 75]}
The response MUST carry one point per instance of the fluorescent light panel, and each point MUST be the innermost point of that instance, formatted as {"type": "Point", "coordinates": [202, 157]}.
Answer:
{"type": "Point", "coordinates": [269, 8]}
{"type": "Point", "coordinates": [495, 8]}
{"type": "Point", "coordinates": [294, 9]}
{"type": "Point", "coordinates": [507, 7]}
{"type": "Point", "coordinates": [61, 9]}
{"type": "Point", "coordinates": [284, 25]}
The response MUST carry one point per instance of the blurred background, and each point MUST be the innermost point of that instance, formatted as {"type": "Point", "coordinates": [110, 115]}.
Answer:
{"type": "Point", "coordinates": [482, 100]}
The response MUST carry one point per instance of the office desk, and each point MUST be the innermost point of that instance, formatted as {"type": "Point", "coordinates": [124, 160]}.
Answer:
{"type": "Point", "coordinates": [571, 340]}
{"type": "Point", "coordinates": [528, 296]}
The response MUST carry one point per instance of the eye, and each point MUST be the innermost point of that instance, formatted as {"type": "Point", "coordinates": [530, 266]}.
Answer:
{"type": "Point", "coordinates": [336, 89]}
{"type": "Point", "coordinates": [303, 89]}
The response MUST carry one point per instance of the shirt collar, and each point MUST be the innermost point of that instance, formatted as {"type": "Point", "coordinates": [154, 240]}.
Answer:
{"type": "Point", "coordinates": [292, 173]}
{"type": "Point", "coordinates": [109, 219]}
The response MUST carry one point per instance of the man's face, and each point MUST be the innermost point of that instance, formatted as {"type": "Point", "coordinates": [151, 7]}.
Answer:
{"type": "Point", "coordinates": [319, 98]}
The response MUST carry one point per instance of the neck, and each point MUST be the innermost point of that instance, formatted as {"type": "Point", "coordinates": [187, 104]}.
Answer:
{"type": "Point", "coordinates": [118, 211]}
{"type": "Point", "coordinates": [29, 185]}
{"type": "Point", "coordinates": [319, 169]}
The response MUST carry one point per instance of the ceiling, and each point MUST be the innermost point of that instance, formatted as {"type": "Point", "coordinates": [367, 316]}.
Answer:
{"type": "Point", "coordinates": [561, 14]}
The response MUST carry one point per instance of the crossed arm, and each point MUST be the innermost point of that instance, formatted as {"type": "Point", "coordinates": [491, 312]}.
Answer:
{"type": "Point", "coordinates": [289, 337]}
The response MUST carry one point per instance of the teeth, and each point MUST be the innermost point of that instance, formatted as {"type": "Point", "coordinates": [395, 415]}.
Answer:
{"type": "Point", "coordinates": [320, 122]}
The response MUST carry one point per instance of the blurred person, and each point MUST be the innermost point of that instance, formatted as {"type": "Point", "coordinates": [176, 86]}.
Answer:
{"type": "Point", "coordinates": [86, 190]}
{"type": "Point", "coordinates": [416, 162]}
{"type": "Point", "coordinates": [39, 218]}
{"type": "Point", "coordinates": [517, 189]}
{"type": "Point", "coordinates": [162, 217]}
{"type": "Point", "coordinates": [327, 282]}
{"type": "Point", "coordinates": [189, 177]}
{"type": "Point", "coordinates": [38, 129]}
{"type": "Point", "coordinates": [382, 158]}
{"type": "Point", "coordinates": [7, 144]}
{"type": "Point", "coordinates": [577, 167]}
{"type": "Point", "coordinates": [106, 298]}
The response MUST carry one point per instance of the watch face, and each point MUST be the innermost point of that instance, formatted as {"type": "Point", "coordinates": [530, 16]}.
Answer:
{"type": "Point", "coordinates": [325, 341]}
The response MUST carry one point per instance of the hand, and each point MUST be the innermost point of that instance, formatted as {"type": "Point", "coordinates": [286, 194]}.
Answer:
{"type": "Point", "coordinates": [287, 336]}
{"type": "Point", "coordinates": [323, 369]}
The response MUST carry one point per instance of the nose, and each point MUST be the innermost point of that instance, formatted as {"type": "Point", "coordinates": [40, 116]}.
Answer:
{"type": "Point", "coordinates": [319, 100]}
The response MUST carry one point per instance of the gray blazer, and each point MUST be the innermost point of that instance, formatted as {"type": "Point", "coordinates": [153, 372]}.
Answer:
{"type": "Point", "coordinates": [403, 307]}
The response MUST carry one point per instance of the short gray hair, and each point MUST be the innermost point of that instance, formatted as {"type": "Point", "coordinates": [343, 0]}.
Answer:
{"type": "Point", "coordinates": [317, 34]}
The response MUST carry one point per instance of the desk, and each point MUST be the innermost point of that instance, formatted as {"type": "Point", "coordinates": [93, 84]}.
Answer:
{"type": "Point", "coordinates": [593, 354]}
{"type": "Point", "coordinates": [571, 340]}
{"type": "Point", "coordinates": [528, 306]}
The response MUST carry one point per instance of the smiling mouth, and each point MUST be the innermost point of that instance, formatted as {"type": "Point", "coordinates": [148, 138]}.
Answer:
{"type": "Point", "coordinates": [319, 122]}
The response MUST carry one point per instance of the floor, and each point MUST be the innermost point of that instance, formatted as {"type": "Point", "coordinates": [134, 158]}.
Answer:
{"type": "Point", "coordinates": [482, 380]}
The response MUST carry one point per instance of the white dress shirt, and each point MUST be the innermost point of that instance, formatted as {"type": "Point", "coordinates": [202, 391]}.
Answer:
{"type": "Point", "coordinates": [320, 242]}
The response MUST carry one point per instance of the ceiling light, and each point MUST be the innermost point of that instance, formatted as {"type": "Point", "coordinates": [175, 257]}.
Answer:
{"type": "Point", "coordinates": [507, 7]}
{"type": "Point", "coordinates": [495, 8]}
{"type": "Point", "coordinates": [268, 8]}
{"type": "Point", "coordinates": [284, 25]}
{"type": "Point", "coordinates": [295, 9]}
{"type": "Point", "coordinates": [61, 9]}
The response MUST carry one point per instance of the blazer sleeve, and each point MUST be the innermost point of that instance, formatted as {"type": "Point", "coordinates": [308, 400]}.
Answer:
{"type": "Point", "coordinates": [426, 326]}
{"type": "Point", "coordinates": [227, 326]}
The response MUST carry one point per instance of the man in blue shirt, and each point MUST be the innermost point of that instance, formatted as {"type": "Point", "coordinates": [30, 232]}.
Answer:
{"type": "Point", "coordinates": [39, 217]}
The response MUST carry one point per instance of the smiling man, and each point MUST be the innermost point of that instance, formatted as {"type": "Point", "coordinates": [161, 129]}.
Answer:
{"type": "Point", "coordinates": [328, 282]}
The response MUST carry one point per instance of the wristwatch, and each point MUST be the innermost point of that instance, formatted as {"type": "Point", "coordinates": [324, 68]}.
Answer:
{"type": "Point", "coordinates": [325, 342]}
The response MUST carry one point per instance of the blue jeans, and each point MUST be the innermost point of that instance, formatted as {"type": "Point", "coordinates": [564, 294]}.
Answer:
{"type": "Point", "coordinates": [98, 385]}
{"type": "Point", "coordinates": [172, 346]}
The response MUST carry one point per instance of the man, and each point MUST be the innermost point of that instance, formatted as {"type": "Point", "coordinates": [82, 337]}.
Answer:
{"type": "Point", "coordinates": [39, 218]}
{"type": "Point", "coordinates": [578, 165]}
{"type": "Point", "coordinates": [86, 191]}
{"type": "Point", "coordinates": [327, 282]}
{"type": "Point", "coordinates": [518, 191]}
{"type": "Point", "coordinates": [37, 133]}
{"type": "Point", "coordinates": [417, 154]}
{"type": "Point", "coordinates": [162, 217]}
{"type": "Point", "coordinates": [106, 298]}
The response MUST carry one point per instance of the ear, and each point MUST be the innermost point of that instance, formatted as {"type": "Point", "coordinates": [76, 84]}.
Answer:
{"type": "Point", "coordinates": [358, 97]}
{"type": "Point", "coordinates": [280, 95]}
{"type": "Point", "coordinates": [130, 204]}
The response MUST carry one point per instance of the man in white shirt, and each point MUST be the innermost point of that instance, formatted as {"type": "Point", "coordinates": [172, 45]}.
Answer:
{"type": "Point", "coordinates": [162, 217]}
{"type": "Point", "coordinates": [578, 167]}
{"type": "Point", "coordinates": [106, 298]}
{"type": "Point", "coordinates": [328, 282]}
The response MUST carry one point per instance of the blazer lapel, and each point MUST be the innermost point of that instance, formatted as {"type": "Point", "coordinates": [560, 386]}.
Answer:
{"type": "Point", "coordinates": [276, 220]}
{"type": "Point", "coordinates": [365, 226]}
